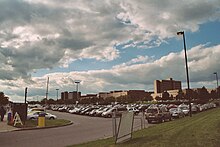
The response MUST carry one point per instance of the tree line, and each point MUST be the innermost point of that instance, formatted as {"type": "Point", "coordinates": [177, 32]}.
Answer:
{"type": "Point", "coordinates": [199, 95]}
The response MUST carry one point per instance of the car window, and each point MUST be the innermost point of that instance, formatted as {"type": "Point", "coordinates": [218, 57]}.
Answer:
{"type": "Point", "coordinates": [122, 109]}
{"type": "Point", "coordinates": [152, 111]}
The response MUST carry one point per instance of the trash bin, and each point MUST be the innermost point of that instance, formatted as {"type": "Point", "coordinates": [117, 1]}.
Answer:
{"type": "Point", "coordinates": [10, 118]}
{"type": "Point", "coordinates": [41, 120]}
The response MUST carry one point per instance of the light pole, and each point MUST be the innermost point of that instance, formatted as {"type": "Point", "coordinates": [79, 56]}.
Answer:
{"type": "Point", "coordinates": [187, 72]}
{"type": "Point", "coordinates": [57, 94]}
{"type": "Point", "coordinates": [216, 75]}
{"type": "Point", "coordinates": [77, 89]}
{"type": "Point", "coordinates": [47, 91]}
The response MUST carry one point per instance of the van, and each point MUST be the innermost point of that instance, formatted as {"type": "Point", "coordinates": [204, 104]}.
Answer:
{"type": "Point", "coordinates": [158, 114]}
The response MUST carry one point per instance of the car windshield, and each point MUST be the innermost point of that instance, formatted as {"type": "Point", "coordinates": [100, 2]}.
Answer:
{"type": "Point", "coordinates": [173, 109]}
{"type": "Point", "coordinates": [183, 108]}
{"type": "Point", "coordinates": [152, 110]}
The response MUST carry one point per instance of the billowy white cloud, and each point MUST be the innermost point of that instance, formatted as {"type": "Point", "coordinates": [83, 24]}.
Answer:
{"type": "Point", "coordinates": [130, 76]}
{"type": "Point", "coordinates": [138, 60]}
{"type": "Point", "coordinates": [50, 33]}
{"type": "Point", "coordinates": [36, 35]}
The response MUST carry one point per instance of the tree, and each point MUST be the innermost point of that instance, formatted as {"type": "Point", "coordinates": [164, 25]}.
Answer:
{"type": "Point", "coordinates": [158, 98]}
{"type": "Point", "coordinates": [60, 101]}
{"type": "Point", "coordinates": [189, 93]}
{"type": "Point", "coordinates": [194, 95]}
{"type": "Point", "coordinates": [43, 101]}
{"type": "Point", "coordinates": [213, 94]}
{"type": "Point", "coordinates": [148, 98]}
{"type": "Point", "coordinates": [203, 94]}
{"type": "Point", "coordinates": [179, 96]}
{"type": "Point", "coordinates": [51, 101]}
{"type": "Point", "coordinates": [101, 100]}
{"type": "Point", "coordinates": [108, 100]}
{"type": "Point", "coordinates": [165, 95]}
{"type": "Point", "coordinates": [3, 99]}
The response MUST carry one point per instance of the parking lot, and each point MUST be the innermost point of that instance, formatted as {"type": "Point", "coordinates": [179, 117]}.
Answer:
{"type": "Point", "coordinates": [85, 128]}
{"type": "Point", "coordinates": [160, 112]}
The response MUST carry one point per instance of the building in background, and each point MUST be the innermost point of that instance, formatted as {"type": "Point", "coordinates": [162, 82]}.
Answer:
{"type": "Point", "coordinates": [65, 96]}
{"type": "Point", "coordinates": [88, 96]}
{"type": "Point", "coordinates": [117, 93]}
{"type": "Point", "coordinates": [171, 86]}
{"type": "Point", "coordinates": [165, 85]}
{"type": "Point", "coordinates": [137, 94]}
{"type": "Point", "coordinates": [103, 95]}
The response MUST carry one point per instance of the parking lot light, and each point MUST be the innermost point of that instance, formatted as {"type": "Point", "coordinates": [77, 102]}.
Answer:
{"type": "Point", "coordinates": [187, 72]}
{"type": "Point", "coordinates": [216, 74]}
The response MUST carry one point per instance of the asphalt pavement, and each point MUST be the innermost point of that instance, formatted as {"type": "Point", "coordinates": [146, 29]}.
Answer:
{"type": "Point", "coordinates": [82, 130]}
{"type": "Point", "coordinates": [4, 127]}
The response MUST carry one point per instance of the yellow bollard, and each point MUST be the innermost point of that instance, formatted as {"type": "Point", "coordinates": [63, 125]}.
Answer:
{"type": "Point", "coordinates": [41, 120]}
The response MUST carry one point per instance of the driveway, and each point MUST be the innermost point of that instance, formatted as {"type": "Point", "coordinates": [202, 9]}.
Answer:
{"type": "Point", "coordinates": [84, 129]}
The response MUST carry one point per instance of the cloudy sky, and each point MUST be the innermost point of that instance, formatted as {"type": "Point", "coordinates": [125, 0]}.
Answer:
{"type": "Point", "coordinates": [107, 44]}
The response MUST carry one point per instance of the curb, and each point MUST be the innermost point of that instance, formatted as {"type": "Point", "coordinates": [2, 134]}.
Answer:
{"type": "Point", "coordinates": [38, 128]}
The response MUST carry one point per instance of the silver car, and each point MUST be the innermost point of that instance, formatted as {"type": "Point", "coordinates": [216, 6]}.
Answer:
{"type": "Point", "coordinates": [35, 115]}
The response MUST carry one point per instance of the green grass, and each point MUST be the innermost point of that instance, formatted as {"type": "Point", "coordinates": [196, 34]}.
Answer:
{"type": "Point", "coordinates": [48, 123]}
{"type": "Point", "coordinates": [201, 130]}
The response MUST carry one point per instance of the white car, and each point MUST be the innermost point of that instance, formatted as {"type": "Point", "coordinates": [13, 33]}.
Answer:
{"type": "Point", "coordinates": [184, 108]}
{"type": "Point", "coordinates": [35, 115]}
{"type": "Point", "coordinates": [133, 109]}
{"type": "Point", "coordinates": [176, 112]}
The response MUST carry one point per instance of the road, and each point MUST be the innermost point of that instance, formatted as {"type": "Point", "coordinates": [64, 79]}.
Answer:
{"type": "Point", "coordinates": [84, 129]}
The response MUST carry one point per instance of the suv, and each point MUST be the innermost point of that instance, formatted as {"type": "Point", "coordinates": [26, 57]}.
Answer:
{"type": "Point", "coordinates": [158, 114]}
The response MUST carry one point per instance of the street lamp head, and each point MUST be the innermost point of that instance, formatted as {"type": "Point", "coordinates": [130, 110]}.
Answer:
{"type": "Point", "coordinates": [180, 33]}
{"type": "Point", "coordinates": [77, 81]}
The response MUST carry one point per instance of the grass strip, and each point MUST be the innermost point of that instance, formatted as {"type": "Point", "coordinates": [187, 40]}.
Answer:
{"type": "Point", "coordinates": [48, 123]}
{"type": "Point", "coordinates": [201, 130]}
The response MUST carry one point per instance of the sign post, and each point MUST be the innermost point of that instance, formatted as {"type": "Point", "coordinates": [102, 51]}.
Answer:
{"type": "Point", "coordinates": [17, 119]}
{"type": "Point", "coordinates": [125, 127]}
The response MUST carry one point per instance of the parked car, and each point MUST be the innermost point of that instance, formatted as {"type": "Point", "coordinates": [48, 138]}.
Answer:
{"type": "Point", "coordinates": [157, 114]}
{"type": "Point", "coordinates": [35, 115]}
{"type": "Point", "coordinates": [184, 108]}
{"type": "Point", "coordinates": [117, 110]}
{"type": "Point", "coordinates": [92, 113]}
{"type": "Point", "coordinates": [133, 109]}
{"type": "Point", "coordinates": [143, 107]}
{"type": "Point", "coordinates": [36, 110]}
{"type": "Point", "coordinates": [101, 110]}
{"type": "Point", "coordinates": [195, 108]}
{"type": "Point", "coordinates": [176, 113]}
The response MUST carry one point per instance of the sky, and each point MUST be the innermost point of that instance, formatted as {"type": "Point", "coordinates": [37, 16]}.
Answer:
{"type": "Point", "coordinates": [106, 44]}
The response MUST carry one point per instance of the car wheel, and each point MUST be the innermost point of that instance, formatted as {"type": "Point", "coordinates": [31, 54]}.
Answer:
{"type": "Point", "coordinates": [170, 119]}
{"type": "Point", "coordinates": [149, 121]}
{"type": "Point", "coordinates": [51, 118]}
{"type": "Point", "coordinates": [161, 120]}
{"type": "Point", "coordinates": [32, 118]}
{"type": "Point", "coordinates": [109, 115]}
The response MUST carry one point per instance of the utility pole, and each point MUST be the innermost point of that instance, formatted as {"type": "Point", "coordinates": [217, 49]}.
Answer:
{"type": "Point", "coordinates": [47, 91]}
{"type": "Point", "coordinates": [25, 95]}
{"type": "Point", "coordinates": [57, 94]}
{"type": "Point", "coordinates": [77, 89]}
{"type": "Point", "coordinates": [25, 103]}
{"type": "Point", "coordinates": [216, 75]}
